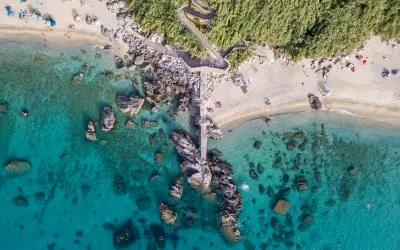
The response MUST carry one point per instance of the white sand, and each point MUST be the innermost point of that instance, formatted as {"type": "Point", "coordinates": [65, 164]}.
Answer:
{"type": "Point", "coordinates": [62, 13]}
{"type": "Point", "coordinates": [363, 92]}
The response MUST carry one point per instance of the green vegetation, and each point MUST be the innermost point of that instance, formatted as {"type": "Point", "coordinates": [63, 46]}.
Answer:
{"type": "Point", "coordinates": [237, 57]}
{"type": "Point", "coordinates": [161, 16]}
{"type": "Point", "coordinates": [306, 28]}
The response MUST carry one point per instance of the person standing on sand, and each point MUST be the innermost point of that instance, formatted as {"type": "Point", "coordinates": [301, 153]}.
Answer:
{"type": "Point", "coordinates": [41, 2]}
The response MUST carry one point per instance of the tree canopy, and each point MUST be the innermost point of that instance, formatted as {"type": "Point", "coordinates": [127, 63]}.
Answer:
{"type": "Point", "coordinates": [306, 28]}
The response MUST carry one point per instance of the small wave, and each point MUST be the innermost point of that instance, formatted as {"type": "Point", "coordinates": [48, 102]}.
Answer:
{"type": "Point", "coordinates": [345, 112]}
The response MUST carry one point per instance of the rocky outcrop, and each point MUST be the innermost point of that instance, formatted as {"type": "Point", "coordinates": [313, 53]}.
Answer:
{"type": "Point", "coordinates": [168, 215]}
{"type": "Point", "coordinates": [223, 182]}
{"type": "Point", "coordinates": [129, 105]}
{"type": "Point", "coordinates": [199, 174]}
{"type": "Point", "coordinates": [176, 190]}
{"type": "Point", "coordinates": [17, 167]}
{"type": "Point", "coordinates": [91, 132]}
{"type": "Point", "coordinates": [108, 120]}
{"type": "Point", "coordinates": [185, 146]}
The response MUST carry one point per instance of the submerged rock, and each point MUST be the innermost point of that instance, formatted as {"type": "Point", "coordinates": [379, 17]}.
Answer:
{"type": "Point", "coordinates": [257, 145]}
{"type": "Point", "coordinates": [261, 188]}
{"type": "Point", "coordinates": [3, 109]}
{"type": "Point", "coordinates": [129, 105]}
{"type": "Point", "coordinates": [271, 192]}
{"type": "Point", "coordinates": [253, 175]}
{"type": "Point", "coordinates": [301, 183]}
{"type": "Point", "coordinates": [149, 124]}
{"type": "Point", "coordinates": [307, 220]}
{"type": "Point", "coordinates": [119, 185]}
{"type": "Point", "coordinates": [352, 170]}
{"type": "Point", "coordinates": [168, 215]}
{"type": "Point", "coordinates": [275, 223]}
{"type": "Point", "coordinates": [109, 75]}
{"type": "Point", "coordinates": [91, 132]}
{"type": "Point", "coordinates": [248, 245]}
{"type": "Point", "coordinates": [260, 168]}
{"type": "Point", "coordinates": [125, 235]}
{"type": "Point", "coordinates": [108, 226]}
{"type": "Point", "coordinates": [17, 167]}
{"type": "Point", "coordinates": [39, 196]}
{"type": "Point", "coordinates": [281, 207]}
{"type": "Point", "coordinates": [159, 158]}
{"type": "Point", "coordinates": [108, 120]}
{"type": "Point", "coordinates": [130, 124]}
{"type": "Point", "coordinates": [143, 203]}
{"type": "Point", "coordinates": [176, 190]}
{"type": "Point", "coordinates": [20, 201]}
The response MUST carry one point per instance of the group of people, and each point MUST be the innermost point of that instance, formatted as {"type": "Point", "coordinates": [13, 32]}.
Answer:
{"type": "Point", "coordinates": [22, 14]}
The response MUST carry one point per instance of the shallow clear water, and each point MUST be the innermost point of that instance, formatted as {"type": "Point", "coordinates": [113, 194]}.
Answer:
{"type": "Point", "coordinates": [81, 173]}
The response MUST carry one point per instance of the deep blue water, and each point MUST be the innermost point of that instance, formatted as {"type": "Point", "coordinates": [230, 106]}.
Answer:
{"type": "Point", "coordinates": [81, 173]}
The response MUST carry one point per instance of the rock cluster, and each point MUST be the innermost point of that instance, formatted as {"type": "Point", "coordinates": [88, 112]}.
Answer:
{"type": "Point", "coordinates": [108, 120]}
{"type": "Point", "coordinates": [170, 69]}
{"type": "Point", "coordinates": [17, 167]}
{"type": "Point", "coordinates": [168, 215]}
{"type": "Point", "coordinates": [223, 181]}
{"type": "Point", "coordinates": [129, 105]}
{"type": "Point", "coordinates": [91, 132]}
{"type": "Point", "coordinates": [176, 190]}
{"type": "Point", "coordinates": [199, 174]}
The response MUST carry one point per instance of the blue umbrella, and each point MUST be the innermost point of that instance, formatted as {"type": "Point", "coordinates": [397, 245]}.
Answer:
{"type": "Point", "coordinates": [10, 13]}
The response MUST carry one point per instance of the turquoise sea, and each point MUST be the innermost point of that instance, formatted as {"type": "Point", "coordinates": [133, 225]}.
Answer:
{"type": "Point", "coordinates": [70, 189]}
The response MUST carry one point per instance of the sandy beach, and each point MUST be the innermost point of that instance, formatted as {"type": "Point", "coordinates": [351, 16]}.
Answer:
{"type": "Point", "coordinates": [14, 28]}
{"type": "Point", "coordinates": [363, 92]}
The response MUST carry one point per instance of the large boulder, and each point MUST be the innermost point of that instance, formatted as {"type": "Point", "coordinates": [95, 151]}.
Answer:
{"type": "Point", "coordinates": [281, 207]}
{"type": "Point", "coordinates": [125, 235]}
{"type": "Point", "coordinates": [129, 105]}
{"type": "Point", "coordinates": [17, 167]}
{"type": "Point", "coordinates": [315, 103]}
{"type": "Point", "coordinates": [139, 60]}
{"type": "Point", "coordinates": [108, 120]}
{"type": "Point", "coordinates": [91, 132]}
{"type": "Point", "coordinates": [185, 146]}
{"type": "Point", "coordinates": [168, 215]}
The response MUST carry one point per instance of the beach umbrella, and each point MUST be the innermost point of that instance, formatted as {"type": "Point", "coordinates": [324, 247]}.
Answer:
{"type": "Point", "coordinates": [77, 18]}
{"type": "Point", "coordinates": [52, 23]}
{"type": "Point", "coordinates": [10, 13]}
